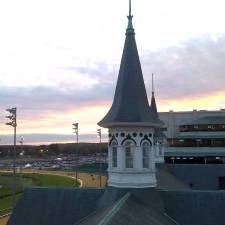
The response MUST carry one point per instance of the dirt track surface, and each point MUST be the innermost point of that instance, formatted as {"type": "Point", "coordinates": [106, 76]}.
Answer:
{"type": "Point", "coordinates": [87, 179]}
{"type": "Point", "coordinates": [3, 221]}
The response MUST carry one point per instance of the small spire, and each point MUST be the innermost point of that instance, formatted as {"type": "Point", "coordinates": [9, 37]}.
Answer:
{"type": "Point", "coordinates": [152, 84]}
{"type": "Point", "coordinates": [130, 28]}
{"type": "Point", "coordinates": [153, 101]}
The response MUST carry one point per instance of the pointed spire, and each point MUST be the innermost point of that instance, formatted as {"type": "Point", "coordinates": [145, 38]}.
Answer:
{"type": "Point", "coordinates": [152, 84]}
{"type": "Point", "coordinates": [130, 105]}
{"type": "Point", "coordinates": [153, 101]}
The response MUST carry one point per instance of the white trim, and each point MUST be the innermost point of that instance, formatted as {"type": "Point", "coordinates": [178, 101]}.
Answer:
{"type": "Point", "coordinates": [137, 176]}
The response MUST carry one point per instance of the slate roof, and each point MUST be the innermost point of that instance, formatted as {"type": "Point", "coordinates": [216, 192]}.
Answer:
{"type": "Point", "coordinates": [211, 120]}
{"type": "Point", "coordinates": [169, 181]}
{"type": "Point", "coordinates": [149, 196]}
{"type": "Point", "coordinates": [201, 176]}
{"type": "Point", "coordinates": [180, 207]}
{"type": "Point", "coordinates": [158, 133]}
{"type": "Point", "coordinates": [130, 105]}
{"type": "Point", "coordinates": [135, 212]}
{"type": "Point", "coordinates": [121, 206]}
{"type": "Point", "coordinates": [153, 106]}
{"type": "Point", "coordinates": [133, 208]}
{"type": "Point", "coordinates": [195, 207]}
{"type": "Point", "coordinates": [55, 206]}
{"type": "Point", "coordinates": [97, 216]}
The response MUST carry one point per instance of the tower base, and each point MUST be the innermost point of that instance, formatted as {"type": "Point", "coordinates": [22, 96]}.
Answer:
{"type": "Point", "coordinates": [132, 180]}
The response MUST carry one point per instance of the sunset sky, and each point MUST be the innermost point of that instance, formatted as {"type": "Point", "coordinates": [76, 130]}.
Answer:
{"type": "Point", "coordinates": [59, 60]}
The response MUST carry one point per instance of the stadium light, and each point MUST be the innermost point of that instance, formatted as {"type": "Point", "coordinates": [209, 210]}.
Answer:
{"type": "Point", "coordinates": [75, 128]}
{"type": "Point", "coordinates": [99, 134]}
{"type": "Point", "coordinates": [12, 117]}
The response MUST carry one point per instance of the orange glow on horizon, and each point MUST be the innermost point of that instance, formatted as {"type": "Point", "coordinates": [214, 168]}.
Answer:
{"type": "Point", "coordinates": [61, 123]}
{"type": "Point", "coordinates": [215, 101]}
{"type": "Point", "coordinates": [88, 116]}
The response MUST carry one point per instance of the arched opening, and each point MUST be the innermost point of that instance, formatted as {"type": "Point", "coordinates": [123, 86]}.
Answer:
{"type": "Point", "coordinates": [114, 154]}
{"type": "Point", "coordinates": [145, 154]}
{"type": "Point", "coordinates": [129, 154]}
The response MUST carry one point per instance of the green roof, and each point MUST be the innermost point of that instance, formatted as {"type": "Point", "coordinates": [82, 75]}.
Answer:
{"type": "Point", "coordinates": [212, 120]}
{"type": "Point", "coordinates": [206, 136]}
{"type": "Point", "coordinates": [194, 151]}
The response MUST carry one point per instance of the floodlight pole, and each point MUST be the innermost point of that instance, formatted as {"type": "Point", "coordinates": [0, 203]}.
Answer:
{"type": "Point", "coordinates": [14, 164]}
{"type": "Point", "coordinates": [75, 127]}
{"type": "Point", "coordinates": [21, 152]}
{"type": "Point", "coordinates": [77, 156]}
{"type": "Point", "coordinates": [99, 133]}
{"type": "Point", "coordinates": [13, 123]}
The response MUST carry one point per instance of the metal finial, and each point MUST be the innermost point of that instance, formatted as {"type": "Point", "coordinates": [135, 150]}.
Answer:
{"type": "Point", "coordinates": [129, 7]}
{"type": "Point", "coordinates": [130, 29]}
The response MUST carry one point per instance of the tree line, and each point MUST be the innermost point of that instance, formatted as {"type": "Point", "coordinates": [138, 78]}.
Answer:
{"type": "Point", "coordinates": [53, 149]}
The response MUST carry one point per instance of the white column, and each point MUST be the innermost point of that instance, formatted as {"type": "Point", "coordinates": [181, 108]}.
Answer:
{"type": "Point", "coordinates": [152, 158]}
{"type": "Point", "coordinates": [120, 158]}
{"type": "Point", "coordinates": [138, 158]}
{"type": "Point", "coordinates": [157, 149]}
{"type": "Point", "coordinates": [109, 158]}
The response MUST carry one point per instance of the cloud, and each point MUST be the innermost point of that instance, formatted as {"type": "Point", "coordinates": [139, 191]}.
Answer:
{"type": "Point", "coordinates": [100, 71]}
{"type": "Point", "coordinates": [48, 98]}
{"type": "Point", "coordinates": [193, 69]}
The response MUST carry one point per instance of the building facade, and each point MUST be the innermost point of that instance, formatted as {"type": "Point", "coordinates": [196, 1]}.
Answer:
{"type": "Point", "coordinates": [197, 135]}
{"type": "Point", "coordinates": [195, 128]}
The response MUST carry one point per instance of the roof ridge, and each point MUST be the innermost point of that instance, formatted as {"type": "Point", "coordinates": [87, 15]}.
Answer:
{"type": "Point", "coordinates": [115, 209]}
{"type": "Point", "coordinates": [85, 218]}
{"type": "Point", "coordinates": [171, 219]}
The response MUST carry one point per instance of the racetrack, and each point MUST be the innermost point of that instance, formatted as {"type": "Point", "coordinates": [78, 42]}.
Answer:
{"type": "Point", "coordinates": [86, 180]}
{"type": "Point", "coordinates": [4, 220]}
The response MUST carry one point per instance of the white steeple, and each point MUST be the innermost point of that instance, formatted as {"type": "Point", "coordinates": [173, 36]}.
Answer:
{"type": "Point", "coordinates": [131, 123]}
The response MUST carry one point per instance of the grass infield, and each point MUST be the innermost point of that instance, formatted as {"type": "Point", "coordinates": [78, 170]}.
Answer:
{"type": "Point", "coordinates": [28, 180]}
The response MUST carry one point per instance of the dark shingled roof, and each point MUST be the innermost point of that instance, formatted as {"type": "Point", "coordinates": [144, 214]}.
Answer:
{"type": "Point", "coordinates": [135, 212]}
{"type": "Point", "coordinates": [153, 106]}
{"type": "Point", "coordinates": [130, 104]}
{"type": "Point", "coordinates": [195, 207]}
{"type": "Point", "coordinates": [130, 207]}
{"type": "Point", "coordinates": [167, 180]}
{"type": "Point", "coordinates": [119, 206]}
{"type": "Point", "coordinates": [149, 196]}
{"type": "Point", "coordinates": [201, 176]}
{"type": "Point", "coordinates": [55, 206]}
{"type": "Point", "coordinates": [158, 133]}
